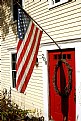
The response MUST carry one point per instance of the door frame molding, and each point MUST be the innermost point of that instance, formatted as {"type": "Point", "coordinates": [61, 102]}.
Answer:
{"type": "Point", "coordinates": [45, 49]}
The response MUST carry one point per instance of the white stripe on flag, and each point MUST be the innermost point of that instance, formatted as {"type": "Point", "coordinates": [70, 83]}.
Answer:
{"type": "Point", "coordinates": [24, 41]}
{"type": "Point", "coordinates": [26, 53]}
{"type": "Point", "coordinates": [29, 63]}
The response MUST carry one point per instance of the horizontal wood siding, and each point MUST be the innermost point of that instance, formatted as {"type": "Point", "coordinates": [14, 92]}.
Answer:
{"type": "Point", "coordinates": [0, 57]}
{"type": "Point", "coordinates": [61, 23]}
{"type": "Point", "coordinates": [34, 89]}
{"type": "Point", "coordinates": [33, 97]}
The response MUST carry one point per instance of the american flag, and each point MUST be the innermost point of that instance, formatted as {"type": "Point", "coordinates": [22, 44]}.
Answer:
{"type": "Point", "coordinates": [29, 36]}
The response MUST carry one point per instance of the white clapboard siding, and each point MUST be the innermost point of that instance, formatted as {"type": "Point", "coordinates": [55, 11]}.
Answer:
{"type": "Point", "coordinates": [34, 91]}
{"type": "Point", "coordinates": [62, 22]}
{"type": "Point", "coordinates": [0, 59]}
{"type": "Point", "coordinates": [8, 41]}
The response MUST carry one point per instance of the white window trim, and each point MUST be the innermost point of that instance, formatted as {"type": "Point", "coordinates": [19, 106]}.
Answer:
{"type": "Point", "coordinates": [44, 50]}
{"type": "Point", "coordinates": [53, 4]}
{"type": "Point", "coordinates": [23, 4]}
{"type": "Point", "coordinates": [11, 52]}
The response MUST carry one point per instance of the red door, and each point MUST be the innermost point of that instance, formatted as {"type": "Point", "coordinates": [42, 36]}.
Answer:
{"type": "Point", "coordinates": [62, 85]}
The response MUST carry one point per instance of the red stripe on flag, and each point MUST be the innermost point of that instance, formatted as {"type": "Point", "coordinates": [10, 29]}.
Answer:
{"type": "Point", "coordinates": [27, 60]}
{"type": "Point", "coordinates": [27, 49]}
{"type": "Point", "coordinates": [32, 65]}
{"type": "Point", "coordinates": [19, 44]}
{"type": "Point", "coordinates": [25, 46]}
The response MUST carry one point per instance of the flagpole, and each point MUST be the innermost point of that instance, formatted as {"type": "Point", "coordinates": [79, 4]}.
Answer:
{"type": "Point", "coordinates": [39, 26]}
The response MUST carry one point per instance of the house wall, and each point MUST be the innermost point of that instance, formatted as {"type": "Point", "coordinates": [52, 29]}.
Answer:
{"type": "Point", "coordinates": [0, 48]}
{"type": "Point", "coordinates": [33, 97]}
{"type": "Point", "coordinates": [0, 60]}
{"type": "Point", "coordinates": [8, 41]}
{"type": "Point", "coordinates": [62, 23]}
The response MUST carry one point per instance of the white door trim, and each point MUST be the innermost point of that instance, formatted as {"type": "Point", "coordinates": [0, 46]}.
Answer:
{"type": "Point", "coordinates": [44, 49]}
